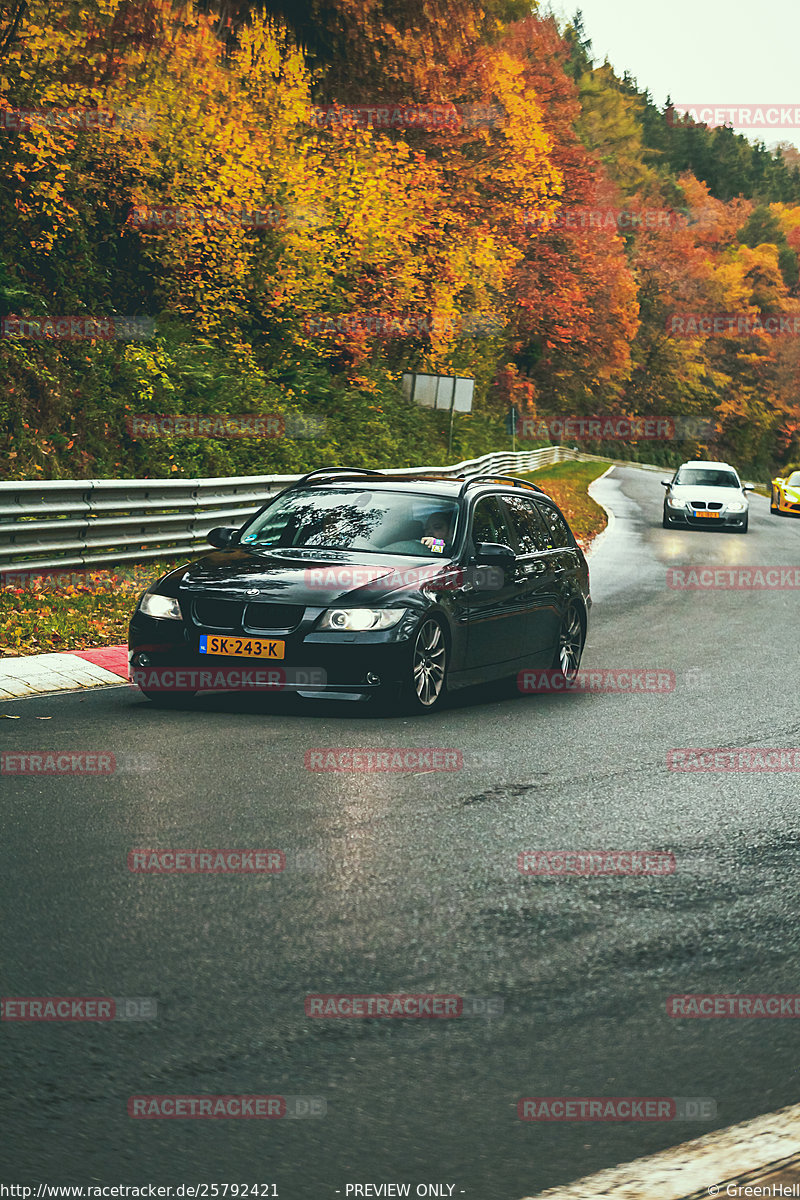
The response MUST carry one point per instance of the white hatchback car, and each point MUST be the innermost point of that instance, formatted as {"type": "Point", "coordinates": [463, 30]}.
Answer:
{"type": "Point", "coordinates": [704, 495]}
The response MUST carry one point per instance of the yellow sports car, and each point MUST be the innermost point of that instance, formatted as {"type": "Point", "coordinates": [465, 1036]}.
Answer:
{"type": "Point", "coordinates": [785, 496]}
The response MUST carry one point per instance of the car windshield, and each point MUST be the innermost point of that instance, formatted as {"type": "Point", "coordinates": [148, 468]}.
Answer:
{"type": "Point", "coordinates": [375, 522]}
{"type": "Point", "coordinates": [706, 477]}
{"type": "Point", "coordinates": [794, 479]}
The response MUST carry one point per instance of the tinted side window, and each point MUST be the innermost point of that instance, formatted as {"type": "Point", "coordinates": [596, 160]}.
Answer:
{"type": "Point", "coordinates": [487, 522]}
{"type": "Point", "coordinates": [557, 530]}
{"type": "Point", "coordinates": [527, 524]}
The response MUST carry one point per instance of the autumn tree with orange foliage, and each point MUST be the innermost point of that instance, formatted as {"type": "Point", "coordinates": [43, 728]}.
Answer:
{"type": "Point", "coordinates": [462, 245]}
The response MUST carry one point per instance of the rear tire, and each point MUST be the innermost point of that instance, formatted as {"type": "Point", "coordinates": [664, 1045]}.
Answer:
{"type": "Point", "coordinates": [571, 641]}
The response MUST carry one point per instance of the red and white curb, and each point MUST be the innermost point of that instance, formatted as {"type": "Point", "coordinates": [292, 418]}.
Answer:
{"type": "Point", "coordinates": [765, 1148]}
{"type": "Point", "coordinates": [31, 675]}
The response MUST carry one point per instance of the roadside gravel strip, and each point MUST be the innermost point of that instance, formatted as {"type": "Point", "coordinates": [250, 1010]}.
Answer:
{"type": "Point", "coordinates": [762, 1155]}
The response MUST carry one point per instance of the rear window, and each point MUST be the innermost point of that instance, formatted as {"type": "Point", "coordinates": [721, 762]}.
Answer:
{"type": "Point", "coordinates": [557, 529]}
{"type": "Point", "coordinates": [528, 525]}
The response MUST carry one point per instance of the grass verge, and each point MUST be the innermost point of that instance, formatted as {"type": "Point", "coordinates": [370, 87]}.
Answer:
{"type": "Point", "coordinates": [75, 609]}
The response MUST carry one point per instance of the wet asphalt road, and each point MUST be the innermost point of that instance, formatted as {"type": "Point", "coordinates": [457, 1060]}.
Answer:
{"type": "Point", "coordinates": [409, 883]}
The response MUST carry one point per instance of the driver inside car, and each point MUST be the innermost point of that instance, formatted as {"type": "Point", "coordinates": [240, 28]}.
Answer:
{"type": "Point", "coordinates": [438, 531]}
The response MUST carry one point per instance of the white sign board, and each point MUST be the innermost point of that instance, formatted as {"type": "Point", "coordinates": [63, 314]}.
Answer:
{"type": "Point", "coordinates": [444, 392]}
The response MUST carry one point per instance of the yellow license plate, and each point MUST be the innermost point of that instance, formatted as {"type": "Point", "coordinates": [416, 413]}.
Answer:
{"type": "Point", "coordinates": [700, 513]}
{"type": "Point", "coordinates": [241, 647]}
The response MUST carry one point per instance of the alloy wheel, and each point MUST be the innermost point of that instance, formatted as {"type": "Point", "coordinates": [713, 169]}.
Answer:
{"type": "Point", "coordinates": [570, 644]}
{"type": "Point", "coordinates": [430, 658]}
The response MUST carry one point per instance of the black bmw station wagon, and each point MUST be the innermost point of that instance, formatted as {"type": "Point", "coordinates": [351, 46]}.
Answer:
{"type": "Point", "coordinates": [353, 584]}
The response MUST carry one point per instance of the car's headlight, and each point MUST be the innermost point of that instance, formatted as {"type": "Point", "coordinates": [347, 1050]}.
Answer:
{"type": "Point", "coordinates": [153, 605]}
{"type": "Point", "coordinates": [676, 502]}
{"type": "Point", "coordinates": [737, 506]}
{"type": "Point", "coordinates": [352, 620]}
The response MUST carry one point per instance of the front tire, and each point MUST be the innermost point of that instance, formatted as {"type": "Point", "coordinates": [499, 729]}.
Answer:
{"type": "Point", "coordinates": [744, 527]}
{"type": "Point", "coordinates": [665, 522]}
{"type": "Point", "coordinates": [571, 640]}
{"type": "Point", "coordinates": [425, 686]}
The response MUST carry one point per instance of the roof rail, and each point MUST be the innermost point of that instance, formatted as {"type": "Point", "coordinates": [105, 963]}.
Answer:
{"type": "Point", "coordinates": [310, 475]}
{"type": "Point", "coordinates": [332, 471]}
{"type": "Point", "coordinates": [512, 479]}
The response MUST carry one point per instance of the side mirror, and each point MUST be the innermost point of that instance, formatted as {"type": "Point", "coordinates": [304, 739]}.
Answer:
{"type": "Point", "coordinates": [666, 483]}
{"type": "Point", "coordinates": [748, 487]}
{"type": "Point", "coordinates": [493, 554]}
{"type": "Point", "coordinates": [223, 536]}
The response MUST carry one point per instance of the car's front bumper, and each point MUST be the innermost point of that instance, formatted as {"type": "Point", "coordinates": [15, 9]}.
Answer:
{"type": "Point", "coordinates": [723, 520]}
{"type": "Point", "coordinates": [333, 664]}
{"type": "Point", "coordinates": [787, 506]}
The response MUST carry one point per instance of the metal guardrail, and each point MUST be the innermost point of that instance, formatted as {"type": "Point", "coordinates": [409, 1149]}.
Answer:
{"type": "Point", "coordinates": [85, 522]}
